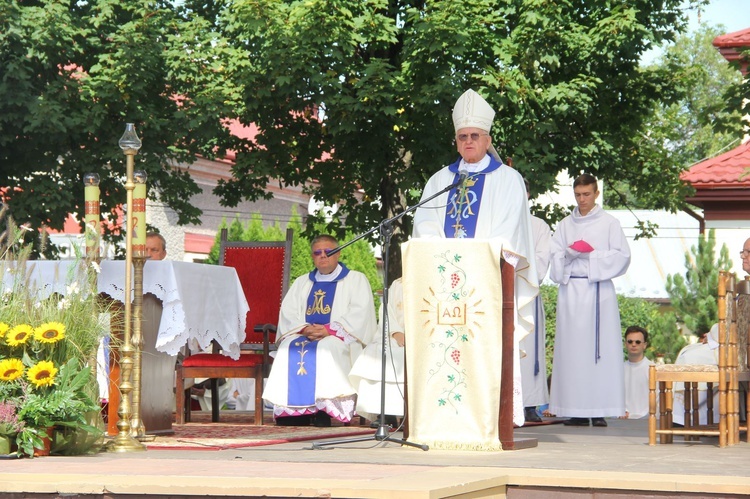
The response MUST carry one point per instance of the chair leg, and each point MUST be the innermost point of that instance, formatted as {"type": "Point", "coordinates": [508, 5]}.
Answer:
{"type": "Point", "coordinates": [669, 410]}
{"type": "Point", "coordinates": [215, 400]}
{"type": "Point", "coordinates": [258, 417]}
{"type": "Point", "coordinates": [181, 409]}
{"type": "Point", "coordinates": [652, 406]}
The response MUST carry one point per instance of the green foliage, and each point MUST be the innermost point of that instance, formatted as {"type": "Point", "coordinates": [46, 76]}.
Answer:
{"type": "Point", "coordinates": [549, 298]}
{"type": "Point", "coordinates": [357, 256]}
{"type": "Point", "coordinates": [694, 295]}
{"type": "Point", "coordinates": [665, 338]}
{"type": "Point", "coordinates": [75, 72]}
{"type": "Point", "coordinates": [350, 98]}
{"type": "Point", "coordinates": [383, 76]}
{"type": "Point", "coordinates": [699, 121]}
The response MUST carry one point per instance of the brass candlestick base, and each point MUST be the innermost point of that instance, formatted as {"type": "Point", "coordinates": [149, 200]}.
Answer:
{"type": "Point", "coordinates": [137, 428]}
{"type": "Point", "coordinates": [124, 441]}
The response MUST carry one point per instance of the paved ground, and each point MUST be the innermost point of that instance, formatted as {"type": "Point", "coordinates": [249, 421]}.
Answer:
{"type": "Point", "coordinates": [614, 458]}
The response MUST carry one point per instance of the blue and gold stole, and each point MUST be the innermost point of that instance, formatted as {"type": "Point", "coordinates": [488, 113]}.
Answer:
{"type": "Point", "coordinates": [464, 201]}
{"type": "Point", "coordinates": [302, 352]}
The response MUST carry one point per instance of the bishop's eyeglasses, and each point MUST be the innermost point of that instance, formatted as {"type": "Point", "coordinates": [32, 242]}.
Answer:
{"type": "Point", "coordinates": [463, 137]}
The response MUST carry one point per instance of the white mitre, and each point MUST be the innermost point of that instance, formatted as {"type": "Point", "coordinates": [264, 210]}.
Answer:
{"type": "Point", "coordinates": [472, 111]}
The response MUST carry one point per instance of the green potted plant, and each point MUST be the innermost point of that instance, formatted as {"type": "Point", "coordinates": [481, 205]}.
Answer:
{"type": "Point", "coordinates": [10, 426]}
{"type": "Point", "coordinates": [48, 344]}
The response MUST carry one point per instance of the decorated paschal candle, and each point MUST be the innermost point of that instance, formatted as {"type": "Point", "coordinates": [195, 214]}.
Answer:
{"type": "Point", "coordinates": [139, 212]}
{"type": "Point", "coordinates": [91, 213]}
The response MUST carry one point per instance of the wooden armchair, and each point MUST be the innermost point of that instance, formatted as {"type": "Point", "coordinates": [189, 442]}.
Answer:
{"type": "Point", "coordinates": [263, 271]}
{"type": "Point", "coordinates": [726, 376]}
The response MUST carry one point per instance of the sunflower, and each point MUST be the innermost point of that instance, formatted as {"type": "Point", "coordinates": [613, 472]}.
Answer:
{"type": "Point", "coordinates": [42, 374]}
{"type": "Point", "coordinates": [3, 329]}
{"type": "Point", "coordinates": [19, 334]}
{"type": "Point", "coordinates": [50, 332]}
{"type": "Point", "coordinates": [11, 369]}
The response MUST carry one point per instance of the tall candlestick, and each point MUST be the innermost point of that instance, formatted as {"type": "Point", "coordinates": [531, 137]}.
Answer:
{"type": "Point", "coordinates": [91, 214]}
{"type": "Point", "coordinates": [124, 441]}
{"type": "Point", "coordinates": [139, 213]}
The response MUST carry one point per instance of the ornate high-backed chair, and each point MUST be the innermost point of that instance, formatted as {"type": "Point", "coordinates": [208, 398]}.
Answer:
{"type": "Point", "coordinates": [725, 376]}
{"type": "Point", "coordinates": [263, 270]}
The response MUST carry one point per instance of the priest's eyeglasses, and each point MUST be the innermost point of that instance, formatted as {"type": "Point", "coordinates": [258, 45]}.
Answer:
{"type": "Point", "coordinates": [637, 342]}
{"type": "Point", "coordinates": [744, 253]}
{"type": "Point", "coordinates": [463, 137]}
{"type": "Point", "coordinates": [320, 252]}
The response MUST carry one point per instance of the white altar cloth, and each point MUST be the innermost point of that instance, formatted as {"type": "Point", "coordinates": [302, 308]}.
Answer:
{"type": "Point", "coordinates": [200, 302]}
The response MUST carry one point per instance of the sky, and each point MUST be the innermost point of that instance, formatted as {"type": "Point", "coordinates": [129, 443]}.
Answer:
{"type": "Point", "coordinates": [733, 14]}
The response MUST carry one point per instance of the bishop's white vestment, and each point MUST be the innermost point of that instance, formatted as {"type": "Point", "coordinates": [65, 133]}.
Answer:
{"type": "Point", "coordinates": [352, 317]}
{"type": "Point", "coordinates": [587, 373]}
{"type": "Point", "coordinates": [500, 211]}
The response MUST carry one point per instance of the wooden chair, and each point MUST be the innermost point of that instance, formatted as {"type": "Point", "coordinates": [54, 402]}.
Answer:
{"type": "Point", "coordinates": [263, 271]}
{"type": "Point", "coordinates": [726, 376]}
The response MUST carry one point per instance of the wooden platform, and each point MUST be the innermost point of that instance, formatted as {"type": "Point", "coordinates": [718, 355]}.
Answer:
{"type": "Point", "coordinates": [569, 462]}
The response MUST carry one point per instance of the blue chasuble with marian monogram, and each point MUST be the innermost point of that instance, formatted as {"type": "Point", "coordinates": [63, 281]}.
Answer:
{"type": "Point", "coordinates": [302, 352]}
{"type": "Point", "coordinates": [464, 201]}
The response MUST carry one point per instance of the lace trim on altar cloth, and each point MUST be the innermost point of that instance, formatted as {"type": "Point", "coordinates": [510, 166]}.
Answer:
{"type": "Point", "coordinates": [340, 408]}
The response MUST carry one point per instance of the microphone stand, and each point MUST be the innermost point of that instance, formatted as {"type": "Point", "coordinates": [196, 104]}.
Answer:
{"type": "Point", "coordinates": [385, 227]}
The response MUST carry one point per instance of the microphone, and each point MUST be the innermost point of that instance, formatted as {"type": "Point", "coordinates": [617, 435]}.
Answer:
{"type": "Point", "coordinates": [462, 174]}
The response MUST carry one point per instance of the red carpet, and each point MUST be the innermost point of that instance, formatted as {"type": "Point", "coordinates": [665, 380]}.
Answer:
{"type": "Point", "coordinates": [234, 431]}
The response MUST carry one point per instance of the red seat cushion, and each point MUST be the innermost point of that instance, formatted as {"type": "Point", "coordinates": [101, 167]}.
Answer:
{"type": "Point", "coordinates": [218, 360]}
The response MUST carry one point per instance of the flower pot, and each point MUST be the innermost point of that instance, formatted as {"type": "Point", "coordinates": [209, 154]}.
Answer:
{"type": "Point", "coordinates": [46, 442]}
{"type": "Point", "coordinates": [4, 445]}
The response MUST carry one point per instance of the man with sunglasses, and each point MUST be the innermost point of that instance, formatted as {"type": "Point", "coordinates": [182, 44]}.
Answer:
{"type": "Point", "coordinates": [636, 373]}
{"type": "Point", "coordinates": [488, 201]}
{"type": "Point", "coordinates": [326, 317]}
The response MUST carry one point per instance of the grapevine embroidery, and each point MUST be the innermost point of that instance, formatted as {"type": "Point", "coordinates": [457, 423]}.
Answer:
{"type": "Point", "coordinates": [449, 371]}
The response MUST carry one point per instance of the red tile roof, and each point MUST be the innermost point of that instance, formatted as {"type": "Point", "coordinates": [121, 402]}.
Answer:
{"type": "Point", "coordinates": [736, 39]}
{"type": "Point", "coordinates": [724, 170]}
{"type": "Point", "coordinates": [731, 46]}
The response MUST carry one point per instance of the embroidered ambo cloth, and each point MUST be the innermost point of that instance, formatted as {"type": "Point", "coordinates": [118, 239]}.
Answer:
{"type": "Point", "coordinates": [453, 322]}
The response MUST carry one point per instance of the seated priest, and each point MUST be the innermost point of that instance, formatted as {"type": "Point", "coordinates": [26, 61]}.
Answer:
{"type": "Point", "coordinates": [326, 317]}
{"type": "Point", "coordinates": [368, 369]}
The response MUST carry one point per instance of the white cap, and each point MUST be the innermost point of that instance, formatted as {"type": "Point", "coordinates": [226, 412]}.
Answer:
{"type": "Point", "coordinates": [472, 111]}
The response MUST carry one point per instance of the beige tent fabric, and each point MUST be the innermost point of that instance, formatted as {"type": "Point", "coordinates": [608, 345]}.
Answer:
{"type": "Point", "coordinates": [452, 312]}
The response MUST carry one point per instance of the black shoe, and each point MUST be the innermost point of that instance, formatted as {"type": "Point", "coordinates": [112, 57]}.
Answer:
{"type": "Point", "coordinates": [322, 420]}
{"type": "Point", "coordinates": [530, 415]}
{"type": "Point", "coordinates": [576, 422]}
{"type": "Point", "coordinates": [598, 422]}
{"type": "Point", "coordinates": [303, 420]}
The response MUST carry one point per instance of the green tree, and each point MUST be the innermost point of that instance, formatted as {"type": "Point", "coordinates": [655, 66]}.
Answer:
{"type": "Point", "coordinates": [694, 296]}
{"type": "Point", "coordinates": [351, 98]}
{"type": "Point", "coordinates": [702, 120]}
{"type": "Point", "coordinates": [665, 339]}
{"type": "Point", "coordinates": [357, 94]}
{"type": "Point", "coordinates": [75, 72]}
